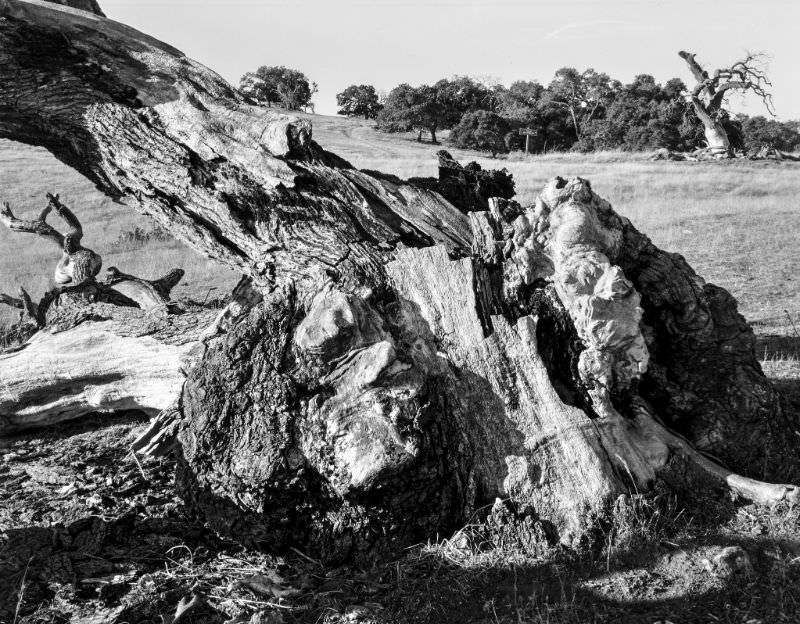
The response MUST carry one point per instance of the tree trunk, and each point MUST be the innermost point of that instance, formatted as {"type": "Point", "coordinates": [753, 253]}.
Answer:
{"type": "Point", "coordinates": [84, 5]}
{"type": "Point", "coordinates": [716, 137]}
{"type": "Point", "coordinates": [575, 123]}
{"type": "Point", "coordinates": [411, 360]}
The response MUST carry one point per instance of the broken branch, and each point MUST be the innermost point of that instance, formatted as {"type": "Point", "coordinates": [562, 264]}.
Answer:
{"type": "Point", "coordinates": [31, 226]}
{"type": "Point", "coordinates": [75, 233]}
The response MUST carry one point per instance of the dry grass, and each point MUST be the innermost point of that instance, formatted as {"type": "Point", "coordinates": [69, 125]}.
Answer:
{"type": "Point", "coordinates": [27, 174]}
{"type": "Point", "coordinates": [737, 223]}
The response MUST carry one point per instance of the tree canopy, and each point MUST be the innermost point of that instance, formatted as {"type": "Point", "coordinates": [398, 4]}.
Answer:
{"type": "Point", "coordinates": [359, 101]}
{"type": "Point", "coordinates": [481, 130]}
{"type": "Point", "coordinates": [761, 132]}
{"type": "Point", "coordinates": [430, 108]}
{"type": "Point", "coordinates": [414, 108]}
{"type": "Point", "coordinates": [578, 110]}
{"type": "Point", "coordinates": [279, 85]}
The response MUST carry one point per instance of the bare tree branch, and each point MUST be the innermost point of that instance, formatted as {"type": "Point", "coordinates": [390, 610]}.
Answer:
{"type": "Point", "coordinates": [11, 301]}
{"type": "Point", "coordinates": [698, 72]}
{"type": "Point", "coordinates": [23, 303]}
{"type": "Point", "coordinates": [745, 75]}
{"type": "Point", "coordinates": [38, 226]}
{"type": "Point", "coordinates": [30, 307]}
{"type": "Point", "coordinates": [148, 294]}
{"type": "Point", "coordinates": [165, 284]}
{"type": "Point", "coordinates": [75, 233]}
{"type": "Point", "coordinates": [708, 95]}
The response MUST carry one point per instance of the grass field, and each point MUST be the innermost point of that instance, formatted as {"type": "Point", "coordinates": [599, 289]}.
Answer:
{"type": "Point", "coordinates": [737, 224]}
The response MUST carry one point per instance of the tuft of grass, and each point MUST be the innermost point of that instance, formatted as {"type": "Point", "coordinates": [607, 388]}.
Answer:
{"type": "Point", "coordinates": [139, 237]}
{"type": "Point", "coordinates": [639, 521]}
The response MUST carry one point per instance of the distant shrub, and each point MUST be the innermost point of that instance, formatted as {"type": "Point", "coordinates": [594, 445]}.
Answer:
{"type": "Point", "coordinates": [481, 130]}
{"type": "Point", "coordinates": [762, 132]}
{"type": "Point", "coordinates": [139, 237]}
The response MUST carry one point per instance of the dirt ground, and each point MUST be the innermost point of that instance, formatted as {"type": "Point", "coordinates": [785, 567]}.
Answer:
{"type": "Point", "coordinates": [95, 536]}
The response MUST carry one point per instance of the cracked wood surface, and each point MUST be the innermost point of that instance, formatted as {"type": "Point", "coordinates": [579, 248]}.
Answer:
{"type": "Point", "coordinates": [169, 137]}
{"type": "Point", "coordinates": [116, 359]}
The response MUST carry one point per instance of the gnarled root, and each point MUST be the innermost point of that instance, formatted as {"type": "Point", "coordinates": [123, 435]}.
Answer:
{"type": "Point", "coordinates": [753, 490]}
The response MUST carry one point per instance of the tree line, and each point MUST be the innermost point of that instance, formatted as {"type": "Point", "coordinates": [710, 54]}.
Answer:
{"type": "Point", "coordinates": [578, 110]}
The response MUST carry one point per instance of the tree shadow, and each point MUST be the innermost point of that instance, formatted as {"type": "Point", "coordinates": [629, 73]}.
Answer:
{"type": "Point", "coordinates": [58, 388]}
{"type": "Point", "coordinates": [93, 421]}
{"type": "Point", "coordinates": [106, 563]}
{"type": "Point", "coordinates": [98, 560]}
{"type": "Point", "coordinates": [77, 511]}
{"type": "Point", "coordinates": [696, 578]}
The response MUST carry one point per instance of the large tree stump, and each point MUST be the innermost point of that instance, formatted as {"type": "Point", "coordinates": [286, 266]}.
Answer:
{"type": "Point", "coordinates": [411, 360]}
{"type": "Point", "coordinates": [532, 370]}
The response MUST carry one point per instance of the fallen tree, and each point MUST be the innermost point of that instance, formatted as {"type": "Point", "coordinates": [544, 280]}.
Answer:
{"type": "Point", "coordinates": [91, 345]}
{"type": "Point", "coordinates": [411, 360]}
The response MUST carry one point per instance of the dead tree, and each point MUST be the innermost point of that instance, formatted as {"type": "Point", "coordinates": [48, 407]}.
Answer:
{"type": "Point", "coordinates": [78, 264]}
{"type": "Point", "coordinates": [91, 346]}
{"type": "Point", "coordinates": [710, 92]}
{"type": "Point", "coordinates": [75, 272]}
{"type": "Point", "coordinates": [406, 361]}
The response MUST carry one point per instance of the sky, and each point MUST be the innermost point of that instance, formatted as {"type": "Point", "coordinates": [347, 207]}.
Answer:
{"type": "Point", "coordinates": [386, 42]}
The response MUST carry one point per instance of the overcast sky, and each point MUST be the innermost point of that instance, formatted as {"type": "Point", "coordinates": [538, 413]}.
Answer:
{"type": "Point", "coordinates": [386, 42]}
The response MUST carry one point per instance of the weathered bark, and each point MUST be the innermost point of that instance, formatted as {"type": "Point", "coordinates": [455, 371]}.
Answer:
{"type": "Point", "coordinates": [148, 294]}
{"type": "Point", "coordinates": [513, 373]}
{"type": "Point", "coordinates": [409, 362]}
{"type": "Point", "coordinates": [468, 188]}
{"type": "Point", "coordinates": [84, 5]}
